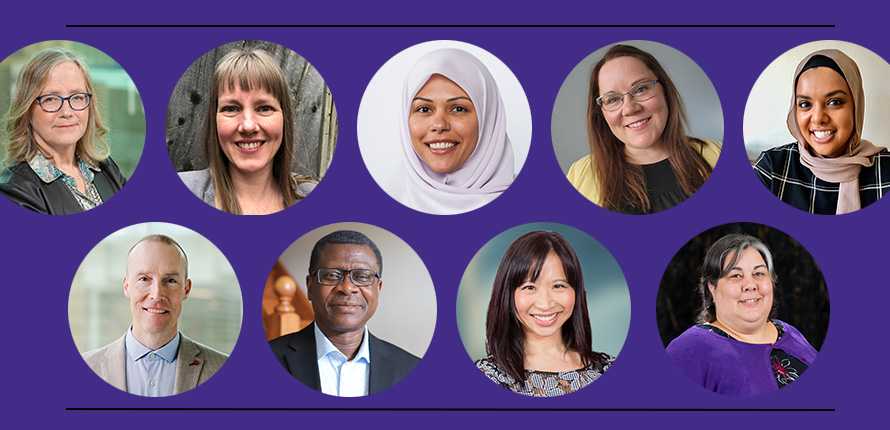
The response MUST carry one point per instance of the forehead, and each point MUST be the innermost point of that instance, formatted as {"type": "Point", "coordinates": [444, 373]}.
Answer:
{"type": "Point", "coordinates": [749, 257]}
{"type": "Point", "coordinates": [439, 86]}
{"type": "Point", "coordinates": [154, 255]}
{"type": "Point", "coordinates": [65, 75]}
{"type": "Point", "coordinates": [821, 80]}
{"type": "Point", "coordinates": [251, 91]}
{"type": "Point", "coordinates": [339, 256]}
{"type": "Point", "coordinates": [619, 74]}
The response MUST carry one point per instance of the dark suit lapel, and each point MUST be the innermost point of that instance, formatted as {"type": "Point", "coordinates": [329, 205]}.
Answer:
{"type": "Point", "coordinates": [303, 361]}
{"type": "Point", "coordinates": [188, 365]}
{"type": "Point", "coordinates": [383, 369]}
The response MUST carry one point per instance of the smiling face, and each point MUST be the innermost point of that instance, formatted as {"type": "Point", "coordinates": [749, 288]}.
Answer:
{"type": "Point", "coordinates": [639, 125]}
{"type": "Point", "coordinates": [545, 304]}
{"type": "Point", "coordinates": [61, 129]}
{"type": "Point", "coordinates": [825, 111]}
{"type": "Point", "coordinates": [443, 125]}
{"type": "Point", "coordinates": [156, 284]}
{"type": "Point", "coordinates": [344, 308]}
{"type": "Point", "coordinates": [249, 125]}
{"type": "Point", "coordinates": [744, 297]}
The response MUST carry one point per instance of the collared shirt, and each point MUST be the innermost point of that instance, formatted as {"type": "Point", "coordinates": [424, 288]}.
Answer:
{"type": "Point", "coordinates": [340, 377]}
{"type": "Point", "coordinates": [151, 373]}
{"type": "Point", "coordinates": [48, 172]}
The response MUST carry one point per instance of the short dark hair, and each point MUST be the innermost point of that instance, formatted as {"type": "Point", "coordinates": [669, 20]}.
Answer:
{"type": "Point", "coordinates": [345, 237]}
{"type": "Point", "coordinates": [166, 240]}
{"type": "Point", "coordinates": [522, 263]}
{"type": "Point", "coordinates": [713, 269]}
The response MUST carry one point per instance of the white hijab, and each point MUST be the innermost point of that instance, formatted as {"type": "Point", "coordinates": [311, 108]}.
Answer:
{"type": "Point", "coordinates": [488, 171]}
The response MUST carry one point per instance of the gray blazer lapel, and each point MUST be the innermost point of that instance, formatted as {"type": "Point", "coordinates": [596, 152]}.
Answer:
{"type": "Point", "coordinates": [188, 365]}
{"type": "Point", "coordinates": [113, 368]}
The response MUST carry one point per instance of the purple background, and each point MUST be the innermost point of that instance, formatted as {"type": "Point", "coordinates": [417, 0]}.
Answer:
{"type": "Point", "coordinates": [45, 374]}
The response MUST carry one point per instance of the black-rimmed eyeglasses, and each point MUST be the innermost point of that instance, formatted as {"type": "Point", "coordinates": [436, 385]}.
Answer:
{"type": "Point", "coordinates": [359, 277]}
{"type": "Point", "coordinates": [640, 92]}
{"type": "Point", "coordinates": [53, 102]}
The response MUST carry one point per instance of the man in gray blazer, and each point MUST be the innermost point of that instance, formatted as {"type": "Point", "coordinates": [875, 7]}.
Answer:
{"type": "Point", "coordinates": [153, 358]}
{"type": "Point", "coordinates": [337, 355]}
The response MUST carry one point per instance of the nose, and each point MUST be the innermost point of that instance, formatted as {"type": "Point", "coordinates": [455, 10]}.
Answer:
{"type": "Point", "coordinates": [345, 286]}
{"type": "Point", "coordinates": [545, 299]}
{"type": "Point", "coordinates": [820, 115]}
{"type": "Point", "coordinates": [248, 122]}
{"type": "Point", "coordinates": [440, 122]}
{"type": "Point", "coordinates": [750, 284]}
{"type": "Point", "coordinates": [66, 108]}
{"type": "Point", "coordinates": [630, 106]}
{"type": "Point", "coordinates": [154, 291]}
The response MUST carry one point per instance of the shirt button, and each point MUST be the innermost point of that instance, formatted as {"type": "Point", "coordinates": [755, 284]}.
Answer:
{"type": "Point", "coordinates": [151, 355]}
{"type": "Point", "coordinates": [152, 383]}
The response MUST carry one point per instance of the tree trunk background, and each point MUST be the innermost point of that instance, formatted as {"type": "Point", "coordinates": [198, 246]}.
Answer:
{"type": "Point", "coordinates": [315, 124]}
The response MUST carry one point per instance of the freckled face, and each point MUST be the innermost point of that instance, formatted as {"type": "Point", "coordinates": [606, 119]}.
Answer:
{"type": "Point", "coordinates": [249, 125]}
{"type": "Point", "coordinates": [639, 125]}
{"type": "Point", "coordinates": [156, 284]}
{"type": "Point", "coordinates": [443, 125]}
{"type": "Point", "coordinates": [744, 297]}
{"type": "Point", "coordinates": [825, 111]}
{"type": "Point", "coordinates": [545, 304]}
{"type": "Point", "coordinates": [66, 126]}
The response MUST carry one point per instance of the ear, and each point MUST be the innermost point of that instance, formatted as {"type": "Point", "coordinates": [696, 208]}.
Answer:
{"type": "Point", "coordinates": [188, 288]}
{"type": "Point", "coordinates": [379, 286]}
{"type": "Point", "coordinates": [711, 287]}
{"type": "Point", "coordinates": [309, 287]}
{"type": "Point", "coordinates": [126, 287]}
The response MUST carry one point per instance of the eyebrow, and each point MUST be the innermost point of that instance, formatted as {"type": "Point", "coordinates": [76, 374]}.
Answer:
{"type": "Point", "coordinates": [635, 83]}
{"type": "Point", "coordinates": [833, 93]}
{"type": "Point", "coordinates": [755, 267]}
{"type": "Point", "coordinates": [447, 101]}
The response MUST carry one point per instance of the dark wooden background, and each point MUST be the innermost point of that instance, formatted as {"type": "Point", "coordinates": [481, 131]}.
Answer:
{"type": "Point", "coordinates": [315, 122]}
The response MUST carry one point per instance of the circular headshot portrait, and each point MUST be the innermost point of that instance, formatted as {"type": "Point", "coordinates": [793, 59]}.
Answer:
{"type": "Point", "coordinates": [73, 127]}
{"type": "Point", "coordinates": [824, 152]}
{"type": "Point", "coordinates": [444, 127]}
{"type": "Point", "coordinates": [251, 128]}
{"type": "Point", "coordinates": [637, 127]}
{"type": "Point", "coordinates": [742, 309]}
{"type": "Point", "coordinates": [331, 323]}
{"type": "Point", "coordinates": [176, 299]}
{"type": "Point", "coordinates": [543, 309]}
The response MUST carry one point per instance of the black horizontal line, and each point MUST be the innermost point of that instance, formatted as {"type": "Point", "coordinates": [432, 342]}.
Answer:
{"type": "Point", "coordinates": [449, 26]}
{"type": "Point", "coordinates": [469, 409]}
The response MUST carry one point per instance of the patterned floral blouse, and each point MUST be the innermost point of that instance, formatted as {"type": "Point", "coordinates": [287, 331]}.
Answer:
{"type": "Point", "coordinates": [539, 383]}
{"type": "Point", "coordinates": [48, 172]}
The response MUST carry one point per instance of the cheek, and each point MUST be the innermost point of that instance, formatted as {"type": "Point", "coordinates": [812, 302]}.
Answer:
{"type": "Point", "coordinates": [225, 127]}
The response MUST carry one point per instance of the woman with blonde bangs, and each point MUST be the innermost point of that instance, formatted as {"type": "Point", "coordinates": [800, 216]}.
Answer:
{"type": "Point", "coordinates": [57, 160]}
{"type": "Point", "coordinates": [249, 139]}
{"type": "Point", "coordinates": [641, 159]}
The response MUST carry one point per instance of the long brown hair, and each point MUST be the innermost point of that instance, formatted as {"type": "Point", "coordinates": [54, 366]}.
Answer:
{"type": "Point", "coordinates": [622, 182]}
{"type": "Point", "coordinates": [249, 69]}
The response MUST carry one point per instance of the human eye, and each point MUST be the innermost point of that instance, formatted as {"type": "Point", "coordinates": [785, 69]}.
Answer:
{"type": "Point", "coordinates": [266, 109]}
{"type": "Point", "coordinates": [331, 275]}
{"type": "Point", "coordinates": [527, 287]}
{"type": "Point", "coordinates": [642, 88]}
{"type": "Point", "coordinates": [228, 109]}
{"type": "Point", "coordinates": [423, 109]}
{"type": "Point", "coordinates": [561, 285]}
{"type": "Point", "coordinates": [836, 102]}
{"type": "Point", "coordinates": [803, 104]}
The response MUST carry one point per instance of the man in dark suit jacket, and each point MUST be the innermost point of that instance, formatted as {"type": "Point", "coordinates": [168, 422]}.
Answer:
{"type": "Point", "coordinates": [333, 355]}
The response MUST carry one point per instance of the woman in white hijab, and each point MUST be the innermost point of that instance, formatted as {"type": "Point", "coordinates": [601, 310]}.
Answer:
{"type": "Point", "coordinates": [456, 155]}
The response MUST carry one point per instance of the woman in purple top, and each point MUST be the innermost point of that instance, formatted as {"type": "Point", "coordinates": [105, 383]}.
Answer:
{"type": "Point", "coordinates": [737, 347]}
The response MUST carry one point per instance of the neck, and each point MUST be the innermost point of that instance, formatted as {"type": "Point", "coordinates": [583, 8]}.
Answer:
{"type": "Point", "coordinates": [153, 341]}
{"type": "Point", "coordinates": [61, 156]}
{"type": "Point", "coordinates": [347, 343]}
{"type": "Point", "coordinates": [551, 346]}
{"type": "Point", "coordinates": [756, 333]}
{"type": "Point", "coordinates": [256, 192]}
{"type": "Point", "coordinates": [650, 155]}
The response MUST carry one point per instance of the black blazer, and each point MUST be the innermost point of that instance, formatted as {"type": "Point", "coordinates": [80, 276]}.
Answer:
{"type": "Point", "coordinates": [296, 352]}
{"type": "Point", "coordinates": [19, 183]}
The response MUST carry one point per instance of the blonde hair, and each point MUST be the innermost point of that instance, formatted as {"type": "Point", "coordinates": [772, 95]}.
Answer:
{"type": "Point", "coordinates": [92, 148]}
{"type": "Point", "coordinates": [249, 70]}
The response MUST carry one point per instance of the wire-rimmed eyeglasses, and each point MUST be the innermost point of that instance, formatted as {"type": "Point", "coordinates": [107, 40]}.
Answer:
{"type": "Point", "coordinates": [640, 92]}
{"type": "Point", "coordinates": [53, 102]}
{"type": "Point", "coordinates": [359, 277]}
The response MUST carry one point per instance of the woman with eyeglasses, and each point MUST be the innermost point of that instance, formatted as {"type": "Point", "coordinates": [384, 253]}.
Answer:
{"type": "Point", "coordinates": [830, 169]}
{"type": "Point", "coordinates": [641, 160]}
{"type": "Point", "coordinates": [57, 160]}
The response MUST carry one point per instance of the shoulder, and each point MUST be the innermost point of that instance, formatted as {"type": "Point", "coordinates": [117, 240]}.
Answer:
{"type": "Point", "coordinates": [796, 343]}
{"type": "Point", "coordinates": [392, 352]}
{"type": "Point", "coordinates": [778, 153]}
{"type": "Point", "coordinates": [95, 357]}
{"type": "Point", "coordinates": [304, 185]}
{"type": "Point", "coordinates": [284, 344]}
{"type": "Point", "coordinates": [196, 179]}
{"type": "Point", "coordinates": [709, 149]}
{"type": "Point", "coordinates": [18, 176]}
{"type": "Point", "coordinates": [691, 340]}
{"type": "Point", "coordinates": [488, 366]}
{"type": "Point", "coordinates": [581, 177]}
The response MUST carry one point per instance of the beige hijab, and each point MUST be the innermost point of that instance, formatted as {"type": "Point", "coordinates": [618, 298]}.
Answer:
{"type": "Point", "coordinates": [845, 168]}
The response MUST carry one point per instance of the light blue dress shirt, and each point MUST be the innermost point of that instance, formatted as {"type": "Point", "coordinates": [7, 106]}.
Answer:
{"type": "Point", "coordinates": [151, 373]}
{"type": "Point", "coordinates": [340, 377]}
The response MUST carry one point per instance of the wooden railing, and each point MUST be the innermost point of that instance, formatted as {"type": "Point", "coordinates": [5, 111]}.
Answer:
{"type": "Point", "coordinates": [286, 308]}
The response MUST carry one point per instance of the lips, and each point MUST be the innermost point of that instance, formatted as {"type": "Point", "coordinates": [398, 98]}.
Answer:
{"type": "Point", "coordinates": [156, 311]}
{"type": "Point", "coordinates": [822, 136]}
{"type": "Point", "coordinates": [441, 146]}
{"type": "Point", "coordinates": [638, 124]}
{"type": "Point", "coordinates": [249, 145]}
{"type": "Point", "coordinates": [750, 301]}
{"type": "Point", "coordinates": [545, 320]}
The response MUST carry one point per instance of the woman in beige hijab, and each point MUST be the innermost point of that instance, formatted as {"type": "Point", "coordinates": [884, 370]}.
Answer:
{"type": "Point", "coordinates": [830, 169]}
